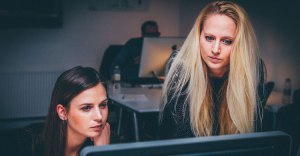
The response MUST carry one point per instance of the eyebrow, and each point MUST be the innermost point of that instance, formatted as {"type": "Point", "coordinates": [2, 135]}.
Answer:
{"type": "Point", "coordinates": [84, 104]}
{"type": "Point", "coordinates": [105, 100]}
{"type": "Point", "coordinates": [230, 37]}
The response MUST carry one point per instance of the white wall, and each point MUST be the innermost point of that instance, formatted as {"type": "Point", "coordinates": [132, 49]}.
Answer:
{"type": "Point", "coordinates": [86, 34]}
{"type": "Point", "coordinates": [82, 39]}
{"type": "Point", "coordinates": [278, 33]}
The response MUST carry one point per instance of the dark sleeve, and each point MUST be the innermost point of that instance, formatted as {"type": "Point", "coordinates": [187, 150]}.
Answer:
{"type": "Point", "coordinates": [171, 58]}
{"type": "Point", "coordinates": [124, 55]}
{"type": "Point", "coordinates": [167, 127]}
{"type": "Point", "coordinates": [175, 121]}
{"type": "Point", "coordinates": [264, 122]}
{"type": "Point", "coordinates": [30, 140]}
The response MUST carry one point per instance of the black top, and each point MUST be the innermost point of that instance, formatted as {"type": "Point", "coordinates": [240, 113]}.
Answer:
{"type": "Point", "coordinates": [176, 121]}
{"type": "Point", "coordinates": [30, 141]}
{"type": "Point", "coordinates": [129, 59]}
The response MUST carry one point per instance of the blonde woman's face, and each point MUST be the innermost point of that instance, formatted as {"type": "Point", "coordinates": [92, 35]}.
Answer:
{"type": "Point", "coordinates": [88, 113]}
{"type": "Point", "coordinates": [216, 41]}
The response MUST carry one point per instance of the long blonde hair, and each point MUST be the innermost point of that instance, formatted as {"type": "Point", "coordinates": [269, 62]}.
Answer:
{"type": "Point", "coordinates": [238, 94]}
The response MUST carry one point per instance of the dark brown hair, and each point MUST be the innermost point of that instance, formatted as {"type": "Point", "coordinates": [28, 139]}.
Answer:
{"type": "Point", "coordinates": [68, 85]}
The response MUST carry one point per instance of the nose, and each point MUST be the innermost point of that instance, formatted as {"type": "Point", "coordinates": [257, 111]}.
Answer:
{"type": "Point", "coordinates": [216, 49]}
{"type": "Point", "coordinates": [97, 115]}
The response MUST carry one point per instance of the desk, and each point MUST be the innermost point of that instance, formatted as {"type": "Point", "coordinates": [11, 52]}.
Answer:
{"type": "Point", "coordinates": [136, 100]}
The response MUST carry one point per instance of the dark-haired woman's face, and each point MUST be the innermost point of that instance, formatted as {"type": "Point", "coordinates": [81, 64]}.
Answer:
{"type": "Point", "coordinates": [216, 41]}
{"type": "Point", "coordinates": [88, 113]}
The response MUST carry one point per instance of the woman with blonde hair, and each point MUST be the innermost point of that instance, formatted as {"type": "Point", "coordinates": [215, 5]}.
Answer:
{"type": "Point", "coordinates": [213, 83]}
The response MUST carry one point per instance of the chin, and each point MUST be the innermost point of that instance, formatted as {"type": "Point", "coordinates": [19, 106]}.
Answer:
{"type": "Point", "coordinates": [214, 67]}
{"type": "Point", "coordinates": [93, 134]}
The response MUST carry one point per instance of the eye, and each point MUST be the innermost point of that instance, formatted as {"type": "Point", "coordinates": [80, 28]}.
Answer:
{"type": "Point", "coordinates": [86, 108]}
{"type": "Point", "coordinates": [209, 38]}
{"type": "Point", "coordinates": [103, 104]}
{"type": "Point", "coordinates": [227, 42]}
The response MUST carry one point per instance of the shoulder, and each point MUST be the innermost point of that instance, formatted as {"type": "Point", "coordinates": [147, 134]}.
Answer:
{"type": "Point", "coordinates": [31, 140]}
{"type": "Point", "coordinates": [176, 75]}
{"type": "Point", "coordinates": [135, 40]}
{"type": "Point", "coordinates": [176, 96]}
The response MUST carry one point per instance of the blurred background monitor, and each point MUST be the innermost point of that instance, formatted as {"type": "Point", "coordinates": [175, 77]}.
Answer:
{"type": "Point", "coordinates": [274, 143]}
{"type": "Point", "coordinates": [31, 13]}
{"type": "Point", "coordinates": [155, 54]}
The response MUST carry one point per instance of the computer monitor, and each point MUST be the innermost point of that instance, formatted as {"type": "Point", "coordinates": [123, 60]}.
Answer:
{"type": "Point", "coordinates": [155, 54]}
{"type": "Point", "coordinates": [274, 143]}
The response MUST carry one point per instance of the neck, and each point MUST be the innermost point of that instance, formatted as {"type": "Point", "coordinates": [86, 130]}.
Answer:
{"type": "Point", "coordinates": [74, 143]}
{"type": "Point", "coordinates": [218, 73]}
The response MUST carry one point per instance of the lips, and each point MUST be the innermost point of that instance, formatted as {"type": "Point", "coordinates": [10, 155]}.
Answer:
{"type": "Point", "coordinates": [97, 128]}
{"type": "Point", "coordinates": [214, 59]}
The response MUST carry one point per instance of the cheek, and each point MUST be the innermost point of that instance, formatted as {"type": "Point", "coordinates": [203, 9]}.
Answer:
{"type": "Point", "coordinates": [203, 51]}
{"type": "Point", "coordinates": [104, 113]}
{"type": "Point", "coordinates": [227, 53]}
{"type": "Point", "coordinates": [79, 118]}
{"type": "Point", "coordinates": [204, 47]}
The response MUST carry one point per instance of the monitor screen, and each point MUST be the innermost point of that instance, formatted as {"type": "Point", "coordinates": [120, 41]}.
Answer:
{"type": "Point", "coordinates": [155, 54]}
{"type": "Point", "coordinates": [274, 143]}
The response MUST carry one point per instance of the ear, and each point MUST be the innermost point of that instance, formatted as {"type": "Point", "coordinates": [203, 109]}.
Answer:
{"type": "Point", "coordinates": [61, 111]}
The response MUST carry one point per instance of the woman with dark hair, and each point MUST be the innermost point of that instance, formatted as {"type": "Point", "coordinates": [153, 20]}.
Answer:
{"type": "Point", "coordinates": [77, 113]}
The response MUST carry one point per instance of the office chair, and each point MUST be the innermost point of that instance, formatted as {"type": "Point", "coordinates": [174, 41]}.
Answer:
{"type": "Point", "coordinates": [269, 86]}
{"type": "Point", "coordinates": [268, 119]}
{"type": "Point", "coordinates": [108, 58]}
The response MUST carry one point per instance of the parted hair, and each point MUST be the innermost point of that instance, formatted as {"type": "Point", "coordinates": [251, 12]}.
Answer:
{"type": "Point", "coordinates": [68, 85]}
{"type": "Point", "coordinates": [238, 94]}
